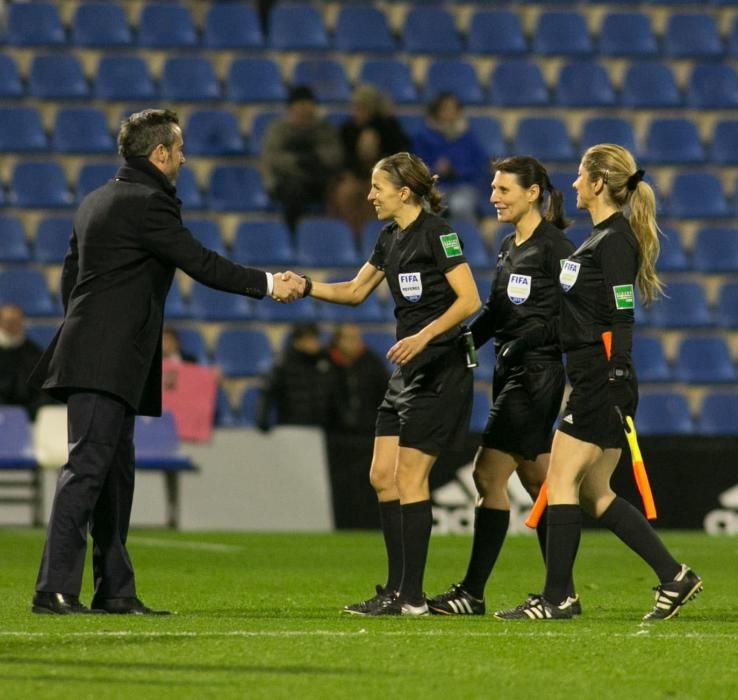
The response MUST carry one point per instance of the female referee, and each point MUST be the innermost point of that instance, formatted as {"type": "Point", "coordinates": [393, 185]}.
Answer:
{"type": "Point", "coordinates": [598, 282]}
{"type": "Point", "coordinates": [521, 313]}
{"type": "Point", "coordinates": [428, 399]}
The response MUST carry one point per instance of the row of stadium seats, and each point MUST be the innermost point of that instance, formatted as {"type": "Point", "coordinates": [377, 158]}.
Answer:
{"type": "Point", "coordinates": [239, 188]}
{"type": "Point", "coordinates": [512, 83]}
{"type": "Point", "coordinates": [431, 30]}
{"type": "Point", "coordinates": [324, 242]}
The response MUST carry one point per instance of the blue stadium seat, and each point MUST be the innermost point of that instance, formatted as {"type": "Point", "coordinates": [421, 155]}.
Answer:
{"type": "Point", "coordinates": [684, 307]}
{"type": "Point", "coordinates": [561, 33]}
{"type": "Point", "coordinates": [363, 29]}
{"type": "Point", "coordinates": [192, 343]}
{"type": "Point", "coordinates": [224, 415]}
{"type": "Point", "coordinates": [237, 188]}
{"type": "Point", "coordinates": [16, 447]}
{"type": "Point", "coordinates": [724, 142]}
{"type": "Point", "coordinates": [294, 27]}
{"type": "Point", "coordinates": [27, 288]}
{"type": "Point", "coordinates": [207, 304]}
{"type": "Point", "coordinates": [584, 84]}
{"type": "Point", "coordinates": [430, 30]}
{"type": "Point", "coordinates": [672, 257]}
{"type": "Point", "coordinates": [325, 242]}
{"type": "Point", "coordinates": [627, 34]}
{"type": "Point", "coordinates": [81, 130]}
{"type": "Point", "coordinates": [664, 413]}
{"type": "Point", "coordinates": [21, 130]}
{"type": "Point", "coordinates": [371, 310]}
{"type": "Point", "coordinates": [13, 244]}
{"type": "Point", "coordinates": [518, 83]}
{"type": "Point", "coordinates": [57, 77]}
{"type": "Point", "coordinates": [489, 133]}
{"type": "Point", "coordinates": [263, 243]}
{"type": "Point", "coordinates": [607, 130]}
{"type": "Point", "coordinates": [497, 32]}
{"type": "Point", "coordinates": [544, 136]}
{"type": "Point", "coordinates": [188, 191]}
{"type": "Point", "coordinates": [718, 414]}
{"type": "Point", "coordinates": [124, 78]}
{"type": "Point", "coordinates": [259, 126]}
{"type": "Point", "coordinates": [716, 250]}
{"type": "Point", "coordinates": [704, 360]}
{"type": "Point", "coordinates": [726, 313]}
{"type": "Point", "coordinates": [42, 333]}
{"type": "Point", "coordinates": [271, 312]}
{"type": "Point", "coordinates": [562, 181]}
{"type": "Point", "coordinates": [479, 412]}
{"type": "Point", "coordinates": [649, 359]}
{"type": "Point", "coordinates": [712, 86]}
{"type": "Point", "coordinates": [578, 233]}
{"type": "Point", "coordinates": [697, 196]}
{"type": "Point", "coordinates": [732, 39]}
{"type": "Point", "coordinates": [232, 26]}
{"type": "Point", "coordinates": [454, 76]}
{"type": "Point", "coordinates": [34, 24]}
{"type": "Point", "coordinates": [188, 79]}
{"type": "Point", "coordinates": [254, 80]}
{"type": "Point", "coordinates": [649, 85]}
{"type": "Point", "coordinates": [475, 251]}
{"type": "Point", "coordinates": [214, 132]}
{"type": "Point", "coordinates": [166, 26]}
{"type": "Point", "coordinates": [380, 342]}
{"type": "Point", "coordinates": [207, 231]}
{"type": "Point", "coordinates": [369, 236]}
{"type": "Point", "coordinates": [325, 76]}
{"type": "Point", "coordinates": [692, 35]}
{"type": "Point", "coordinates": [672, 141]}
{"type": "Point", "coordinates": [243, 353]}
{"type": "Point", "coordinates": [175, 307]}
{"type": "Point", "coordinates": [100, 25]}
{"type": "Point", "coordinates": [390, 76]}
{"type": "Point", "coordinates": [93, 175]}
{"type": "Point", "coordinates": [157, 447]}
{"type": "Point", "coordinates": [247, 407]}
{"type": "Point", "coordinates": [51, 241]}
{"type": "Point", "coordinates": [39, 185]}
{"type": "Point", "coordinates": [10, 82]}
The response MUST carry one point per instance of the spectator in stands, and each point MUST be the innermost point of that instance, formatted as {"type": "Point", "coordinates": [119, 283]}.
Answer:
{"type": "Point", "coordinates": [454, 153]}
{"type": "Point", "coordinates": [301, 155]}
{"type": "Point", "coordinates": [361, 379]}
{"type": "Point", "coordinates": [105, 362]}
{"type": "Point", "coordinates": [370, 133]}
{"type": "Point", "coordinates": [18, 356]}
{"type": "Point", "coordinates": [300, 389]}
{"type": "Point", "coordinates": [171, 348]}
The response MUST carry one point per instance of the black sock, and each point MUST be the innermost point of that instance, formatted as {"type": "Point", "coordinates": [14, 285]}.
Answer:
{"type": "Point", "coordinates": [390, 516]}
{"type": "Point", "coordinates": [490, 529]}
{"type": "Point", "coordinates": [562, 543]}
{"type": "Point", "coordinates": [631, 526]}
{"type": "Point", "coordinates": [542, 532]}
{"type": "Point", "coordinates": [417, 521]}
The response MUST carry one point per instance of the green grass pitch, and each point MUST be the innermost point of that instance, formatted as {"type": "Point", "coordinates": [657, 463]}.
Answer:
{"type": "Point", "coordinates": [257, 617]}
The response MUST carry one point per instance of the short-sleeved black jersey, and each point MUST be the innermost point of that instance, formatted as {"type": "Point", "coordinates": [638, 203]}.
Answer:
{"type": "Point", "coordinates": [414, 262]}
{"type": "Point", "coordinates": [525, 296]}
{"type": "Point", "coordinates": [598, 281]}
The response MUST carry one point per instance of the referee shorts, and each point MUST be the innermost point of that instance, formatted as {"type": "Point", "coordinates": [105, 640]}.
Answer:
{"type": "Point", "coordinates": [430, 409]}
{"type": "Point", "coordinates": [526, 401]}
{"type": "Point", "coordinates": [589, 415]}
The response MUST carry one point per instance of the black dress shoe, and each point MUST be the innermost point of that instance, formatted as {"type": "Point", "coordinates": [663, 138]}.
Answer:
{"type": "Point", "coordinates": [125, 606]}
{"type": "Point", "coordinates": [45, 603]}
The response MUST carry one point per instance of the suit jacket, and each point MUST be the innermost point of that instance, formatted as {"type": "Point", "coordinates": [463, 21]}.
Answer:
{"type": "Point", "coordinates": [127, 243]}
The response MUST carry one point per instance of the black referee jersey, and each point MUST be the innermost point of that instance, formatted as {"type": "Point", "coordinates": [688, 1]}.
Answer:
{"type": "Point", "coordinates": [525, 294]}
{"type": "Point", "coordinates": [598, 281]}
{"type": "Point", "coordinates": [414, 261]}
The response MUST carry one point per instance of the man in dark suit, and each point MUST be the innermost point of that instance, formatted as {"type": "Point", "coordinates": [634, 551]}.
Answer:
{"type": "Point", "coordinates": [105, 360]}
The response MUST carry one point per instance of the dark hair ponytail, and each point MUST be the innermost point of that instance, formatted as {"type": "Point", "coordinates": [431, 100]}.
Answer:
{"type": "Point", "coordinates": [407, 170]}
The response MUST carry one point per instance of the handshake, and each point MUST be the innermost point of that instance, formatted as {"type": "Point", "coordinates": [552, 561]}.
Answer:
{"type": "Point", "coordinates": [288, 286]}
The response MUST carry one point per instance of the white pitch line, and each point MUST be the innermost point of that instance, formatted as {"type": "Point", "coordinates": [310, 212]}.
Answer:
{"type": "Point", "coordinates": [185, 544]}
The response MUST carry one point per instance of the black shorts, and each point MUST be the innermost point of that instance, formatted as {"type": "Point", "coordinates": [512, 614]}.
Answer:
{"type": "Point", "coordinates": [589, 415]}
{"type": "Point", "coordinates": [429, 409]}
{"type": "Point", "coordinates": [526, 401]}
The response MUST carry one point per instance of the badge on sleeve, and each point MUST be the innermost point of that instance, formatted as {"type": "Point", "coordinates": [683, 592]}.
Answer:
{"type": "Point", "coordinates": [518, 288]}
{"type": "Point", "coordinates": [411, 285]}
{"type": "Point", "coordinates": [451, 245]}
{"type": "Point", "coordinates": [569, 274]}
{"type": "Point", "coordinates": [624, 297]}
